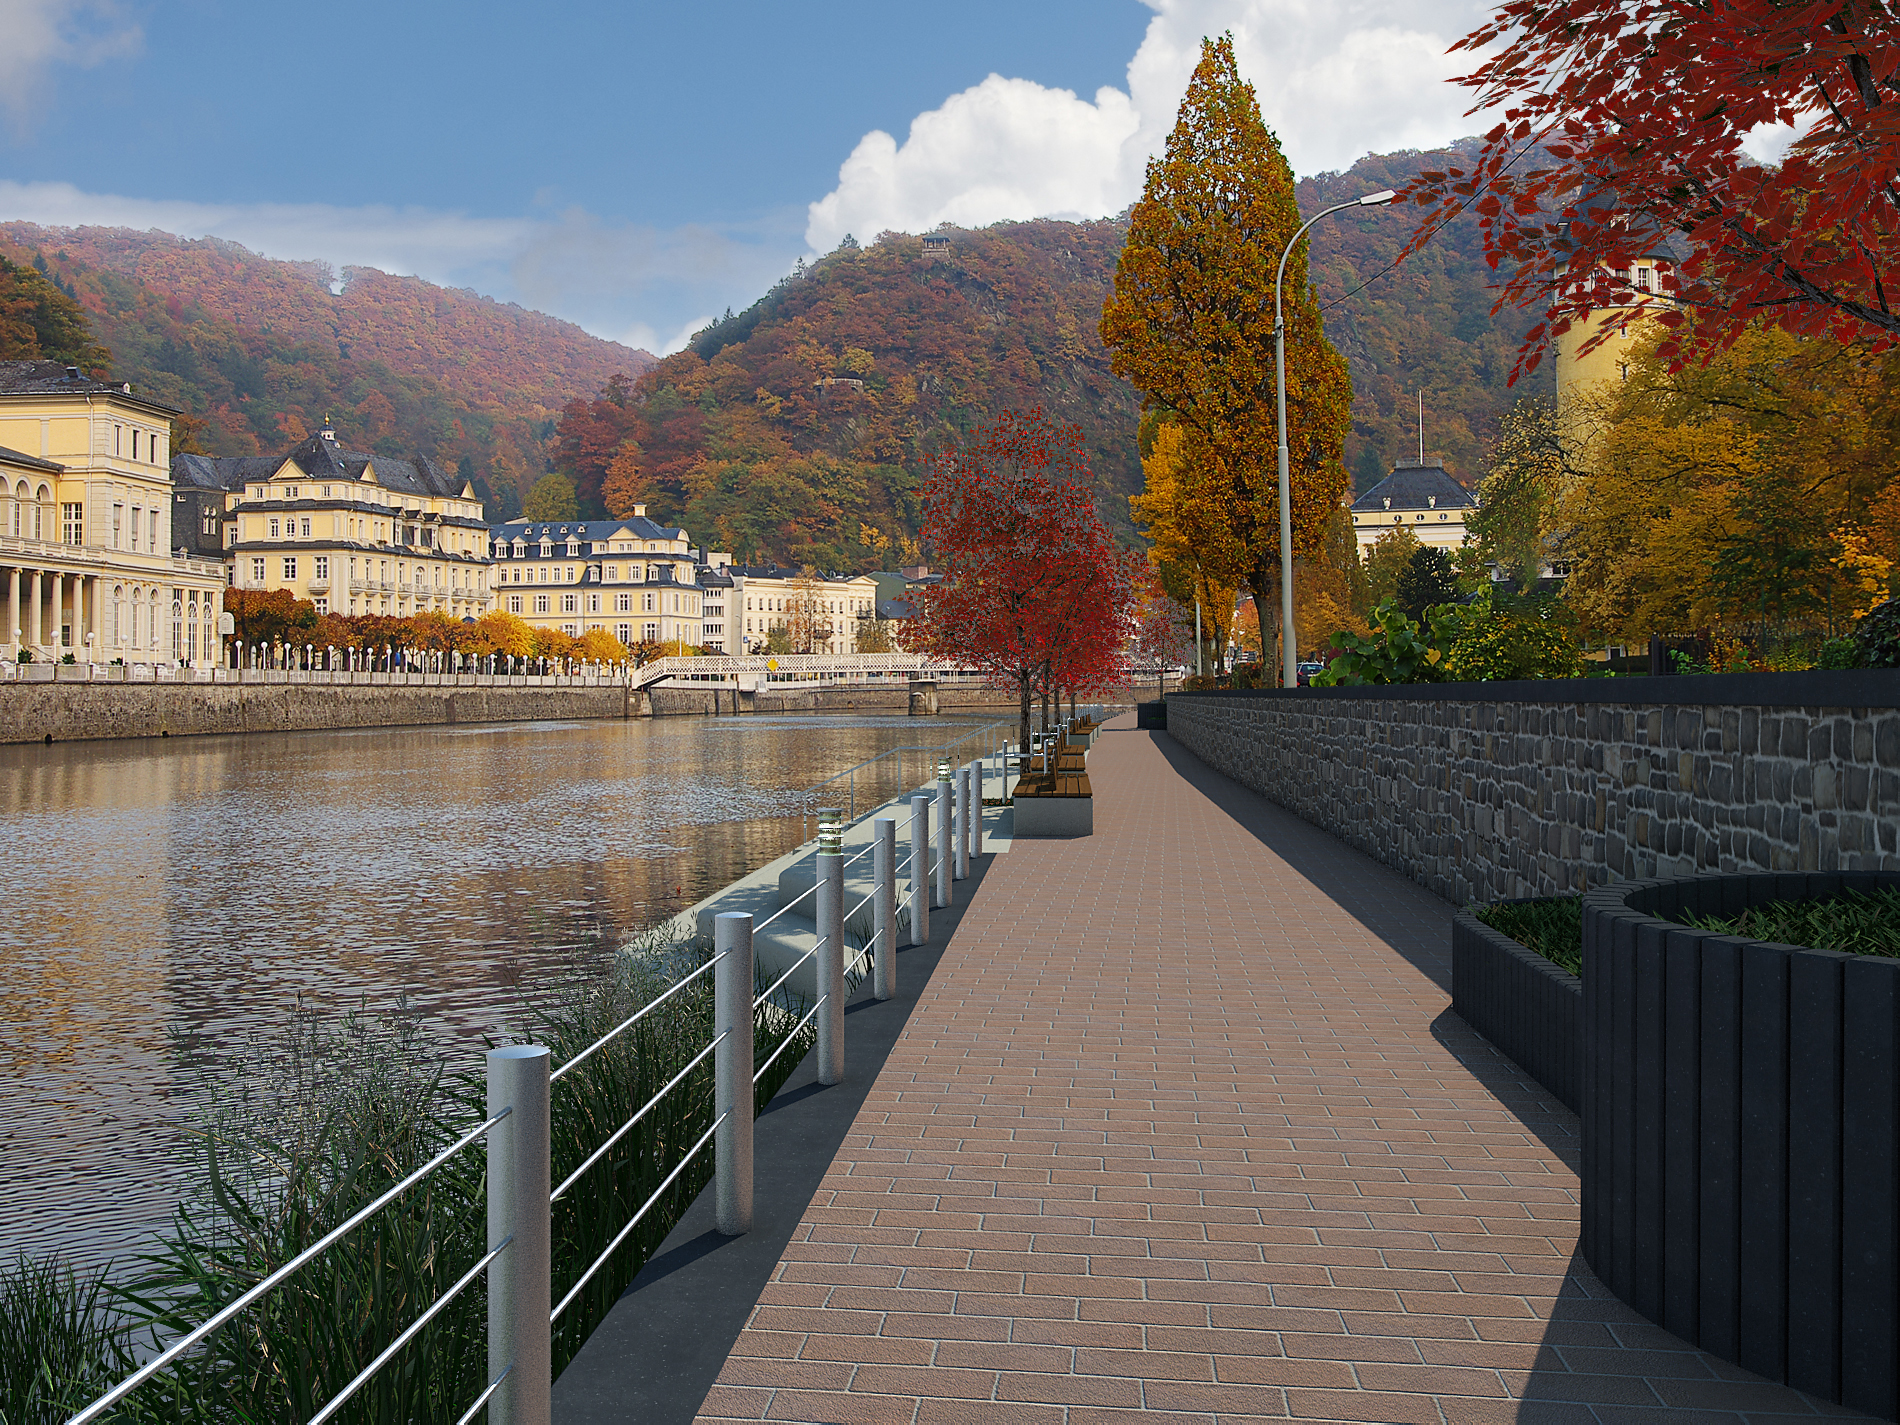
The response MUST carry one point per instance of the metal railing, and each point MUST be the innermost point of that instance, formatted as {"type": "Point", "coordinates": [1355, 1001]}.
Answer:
{"type": "Point", "coordinates": [517, 1261]}
{"type": "Point", "coordinates": [991, 734]}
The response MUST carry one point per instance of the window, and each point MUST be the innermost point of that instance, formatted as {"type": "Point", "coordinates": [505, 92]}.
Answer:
{"type": "Point", "coordinates": [326, 492]}
{"type": "Point", "coordinates": [650, 632]}
{"type": "Point", "coordinates": [593, 603]}
{"type": "Point", "coordinates": [646, 603]}
{"type": "Point", "coordinates": [306, 529]}
{"type": "Point", "coordinates": [273, 523]}
{"type": "Point", "coordinates": [547, 549]}
{"type": "Point", "coordinates": [514, 603]}
{"type": "Point", "coordinates": [613, 573]}
{"type": "Point", "coordinates": [572, 630]}
{"type": "Point", "coordinates": [570, 603]}
{"type": "Point", "coordinates": [257, 571]}
{"type": "Point", "coordinates": [573, 549]}
{"type": "Point", "coordinates": [540, 603]}
{"type": "Point", "coordinates": [624, 632]}
{"type": "Point", "coordinates": [322, 570]}
{"type": "Point", "coordinates": [290, 568]}
{"type": "Point", "coordinates": [75, 523]}
{"type": "Point", "coordinates": [623, 604]}
{"type": "Point", "coordinates": [1643, 278]}
{"type": "Point", "coordinates": [323, 606]}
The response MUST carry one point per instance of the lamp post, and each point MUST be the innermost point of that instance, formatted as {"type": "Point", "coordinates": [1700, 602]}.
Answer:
{"type": "Point", "coordinates": [1290, 657]}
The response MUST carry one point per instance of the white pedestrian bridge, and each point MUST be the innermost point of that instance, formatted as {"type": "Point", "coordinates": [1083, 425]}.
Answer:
{"type": "Point", "coordinates": [750, 672]}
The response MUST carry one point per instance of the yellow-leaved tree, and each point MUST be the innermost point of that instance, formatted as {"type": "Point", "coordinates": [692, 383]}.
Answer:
{"type": "Point", "coordinates": [1194, 554]}
{"type": "Point", "coordinates": [1190, 323]}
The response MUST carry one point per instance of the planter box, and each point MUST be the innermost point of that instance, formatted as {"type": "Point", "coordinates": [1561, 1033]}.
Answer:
{"type": "Point", "coordinates": [1531, 1009]}
{"type": "Point", "coordinates": [1154, 715]}
{"type": "Point", "coordinates": [1741, 1133]}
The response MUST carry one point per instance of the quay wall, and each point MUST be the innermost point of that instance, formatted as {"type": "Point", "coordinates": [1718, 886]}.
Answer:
{"type": "Point", "coordinates": [62, 711]}
{"type": "Point", "coordinates": [1490, 791]}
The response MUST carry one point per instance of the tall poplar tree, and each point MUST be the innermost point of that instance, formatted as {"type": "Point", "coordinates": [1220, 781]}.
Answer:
{"type": "Point", "coordinates": [1190, 324]}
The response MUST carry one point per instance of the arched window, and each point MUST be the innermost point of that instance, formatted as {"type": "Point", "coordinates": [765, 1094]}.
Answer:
{"type": "Point", "coordinates": [118, 615]}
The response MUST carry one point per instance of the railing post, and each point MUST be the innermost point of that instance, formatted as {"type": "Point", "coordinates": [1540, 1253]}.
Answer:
{"type": "Point", "coordinates": [946, 847]}
{"type": "Point", "coordinates": [920, 869]}
{"type": "Point", "coordinates": [830, 957]}
{"type": "Point", "coordinates": [964, 810]}
{"type": "Point", "coordinates": [519, 1280]}
{"type": "Point", "coordinates": [884, 907]}
{"type": "Point", "coordinates": [732, 1071]}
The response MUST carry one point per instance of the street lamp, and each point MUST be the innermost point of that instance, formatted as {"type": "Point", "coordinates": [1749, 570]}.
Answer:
{"type": "Point", "coordinates": [1290, 657]}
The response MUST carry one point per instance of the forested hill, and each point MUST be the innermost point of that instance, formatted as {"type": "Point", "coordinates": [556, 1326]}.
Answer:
{"type": "Point", "coordinates": [1425, 324]}
{"type": "Point", "coordinates": [263, 350]}
{"type": "Point", "coordinates": [800, 428]}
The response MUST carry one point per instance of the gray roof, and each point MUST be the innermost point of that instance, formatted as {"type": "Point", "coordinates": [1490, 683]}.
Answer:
{"type": "Point", "coordinates": [50, 378]}
{"type": "Point", "coordinates": [32, 462]}
{"type": "Point", "coordinates": [779, 571]}
{"type": "Point", "coordinates": [1415, 487]}
{"type": "Point", "coordinates": [533, 531]}
{"type": "Point", "coordinates": [319, 458]}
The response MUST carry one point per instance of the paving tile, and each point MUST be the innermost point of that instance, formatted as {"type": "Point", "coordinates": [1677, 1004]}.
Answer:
{"type": "Point", "coordinates": [1182, 1132]}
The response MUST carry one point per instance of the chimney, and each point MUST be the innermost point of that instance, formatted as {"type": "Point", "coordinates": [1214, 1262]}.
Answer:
{"type": "Point", "coordinates": [639, 512]}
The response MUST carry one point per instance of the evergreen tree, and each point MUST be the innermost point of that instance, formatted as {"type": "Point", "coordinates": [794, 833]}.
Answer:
{"type": "Point", "coordinates": [40, 322]}
{"type": "Point", "coordinates": [1428, 579]}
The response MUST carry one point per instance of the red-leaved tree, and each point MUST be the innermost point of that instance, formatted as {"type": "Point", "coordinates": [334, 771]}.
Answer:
{"type": "Point", "coordinates": [1624, 121]}
{"type": "Point", "coordinates": [1035, 594]}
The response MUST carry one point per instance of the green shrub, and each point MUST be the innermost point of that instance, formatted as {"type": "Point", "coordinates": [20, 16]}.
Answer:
{"type": "Point", "coordinates": [1525, 638]}
{"type": "Point", "coordinates": [1838, 653]}
{"type": "Point", "coordinates": [1553, 928]}
{"type": "Point", "coordinates": [1398, 651]}
{"type": "Point", "coordinates": [1853, 923]}
{"type": "Point", "coordinates": [1877, 638]}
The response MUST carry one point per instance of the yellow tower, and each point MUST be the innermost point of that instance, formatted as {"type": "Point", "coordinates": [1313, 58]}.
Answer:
{"type": "Point", "coordinates": [1625, 292]}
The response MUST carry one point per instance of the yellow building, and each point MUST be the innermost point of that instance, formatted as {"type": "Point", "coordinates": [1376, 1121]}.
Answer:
{"type": "Point", "coordinates": [86, 564]}
{"type": "Point", "coordinates": [1422, 497]}
{"type": "Point", "coordinates": [635, 578]}
{"type": "Point", "coordinates": [354, 533]}
{"type": "Point", "coordinates": [826, 610]}
{"type": "Point", "coordinates": [1621, 297]}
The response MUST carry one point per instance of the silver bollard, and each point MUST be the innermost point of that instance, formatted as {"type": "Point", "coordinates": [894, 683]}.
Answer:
{"type": "Point", "coordinates": [830, 957]}
{"type": "Point", "coordinates": [920, 869]}
{"type": "Point", "coordinates": [732, 1072]}
{"type": "Point", "coordinates": [946, 848]}
{"type": "Point", "coordinates": [884, 907]}
{"type": "Point", "coordinates": [519, 1280]}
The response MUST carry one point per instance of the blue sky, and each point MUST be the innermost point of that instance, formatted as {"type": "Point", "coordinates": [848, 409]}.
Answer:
{"type": "Point", "coordinates": [636, 167]}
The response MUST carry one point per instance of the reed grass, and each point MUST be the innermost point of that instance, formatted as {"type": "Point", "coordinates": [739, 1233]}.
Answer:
{"type": "Point", "coordinates": [60, 1345]}
{"type": "Point", "coordinates": [311, 1126]}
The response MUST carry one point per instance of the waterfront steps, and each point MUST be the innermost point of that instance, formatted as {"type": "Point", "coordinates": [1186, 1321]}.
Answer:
{"type": "Point", "coordinates": [1181, 1129]}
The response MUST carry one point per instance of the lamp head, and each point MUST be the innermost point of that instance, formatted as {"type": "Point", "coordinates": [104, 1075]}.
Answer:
{"type": "Point", "coordinates": [1374, 200]}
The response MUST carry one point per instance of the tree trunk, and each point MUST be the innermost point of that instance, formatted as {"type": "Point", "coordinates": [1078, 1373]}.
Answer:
{"type": "Point", "coordinates": [1022, 739]}
{"type": "Point", "coordinates": [1263, 582]}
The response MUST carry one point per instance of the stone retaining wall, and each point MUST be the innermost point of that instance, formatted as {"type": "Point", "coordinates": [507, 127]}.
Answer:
{"type": "Point", "coordinates": [1486, 792]}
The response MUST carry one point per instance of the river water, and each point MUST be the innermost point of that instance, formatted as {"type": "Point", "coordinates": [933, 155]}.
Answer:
{"type": "Point", "coordinates": [205, 886]}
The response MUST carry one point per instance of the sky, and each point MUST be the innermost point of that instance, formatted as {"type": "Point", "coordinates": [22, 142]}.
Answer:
{"type": "Point", "coordinates": [638, 168]}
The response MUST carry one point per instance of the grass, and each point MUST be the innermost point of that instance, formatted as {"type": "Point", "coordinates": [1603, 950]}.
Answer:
{"type": "Point", "coordinates": [1855, 923]}
{"type": "Point", "coordinates": [309, 1126]}
{"type": "Point", "coordinates": [1553, 928]}
{"type": "Point", "coordinates": [59, 1343]}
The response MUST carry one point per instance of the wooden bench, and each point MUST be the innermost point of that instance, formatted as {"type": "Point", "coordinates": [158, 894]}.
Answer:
{"type": "Point", "coordinates": [1054, 804]}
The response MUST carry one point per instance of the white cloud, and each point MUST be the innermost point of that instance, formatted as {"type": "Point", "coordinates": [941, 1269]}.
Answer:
{"type": "Point", "coordinates": [1336, 79]}
{"type": "Point", "coordinates": [42, 34]}
{"type": "Point", "coordinates": [625, 282]}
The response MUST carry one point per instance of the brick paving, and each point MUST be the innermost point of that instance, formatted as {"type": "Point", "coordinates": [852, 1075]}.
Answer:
{"type": "Point", "coordinates": [1183, 1130]}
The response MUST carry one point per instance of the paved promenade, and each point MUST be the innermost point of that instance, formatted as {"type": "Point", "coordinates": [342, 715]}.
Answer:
{"type": "Point", "coordinates": [1182, 1129]}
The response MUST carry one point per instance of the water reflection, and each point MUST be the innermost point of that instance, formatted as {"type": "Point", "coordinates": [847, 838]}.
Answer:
{"type": "Point", "coordinates": [203, 884]}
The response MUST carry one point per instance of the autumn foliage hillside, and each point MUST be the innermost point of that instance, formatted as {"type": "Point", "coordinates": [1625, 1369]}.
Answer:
{"type": "Point", "coordinates": [800, 429]}
{"type": "Point", "coordinates": [263, 350]}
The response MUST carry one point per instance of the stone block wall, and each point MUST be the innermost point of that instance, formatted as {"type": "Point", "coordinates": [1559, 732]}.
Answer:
{"type": "Point", "coordinates": [1486, 792]}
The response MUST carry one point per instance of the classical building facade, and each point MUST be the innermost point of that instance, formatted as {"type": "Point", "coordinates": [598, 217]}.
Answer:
{"type": "Point", "coordinates": [352, 532]}
{"type": "Point", "coordinates": [825, 610]}
{"type": "Point", "coordinates": [1421, 496]}
{"type": "Point", "coordinates": [87, 567]}
{"type": "Point", "coordinates": [635, 578]}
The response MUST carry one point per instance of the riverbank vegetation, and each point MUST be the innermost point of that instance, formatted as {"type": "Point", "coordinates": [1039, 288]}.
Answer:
{"type": "Point", "coordinates": [308, 1127]}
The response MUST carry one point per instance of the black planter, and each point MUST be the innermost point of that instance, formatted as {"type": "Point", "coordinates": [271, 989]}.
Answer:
{"type": "Point", "coordinates": [1153, 714]}
{"type": "Point", "coordinates": [1528, 1007]}
{"type": "Point", "coordinates": [1741, 1133]}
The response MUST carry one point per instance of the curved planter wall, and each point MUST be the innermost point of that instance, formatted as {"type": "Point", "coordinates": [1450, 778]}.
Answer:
{"type": "Point", "coordinates": [1526, 1006]}
{"type": "Point", "coordinates": [1741, 1133]}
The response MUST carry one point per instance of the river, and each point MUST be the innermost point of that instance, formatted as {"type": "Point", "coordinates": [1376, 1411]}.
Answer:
{"type": "Point", "coordinates": [205, 886]}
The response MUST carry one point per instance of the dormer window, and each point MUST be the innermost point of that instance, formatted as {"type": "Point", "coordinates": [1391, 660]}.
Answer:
{"type": "Point", "coordinates": [573, 549]}
{"type": "Point", "coordinates": [521, 550]}
{"type": "Point", "coordinates": [547, 549]}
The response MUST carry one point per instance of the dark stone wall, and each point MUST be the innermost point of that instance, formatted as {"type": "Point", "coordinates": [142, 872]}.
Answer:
{"type": "Point", "coordinates": [1489, 792]}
